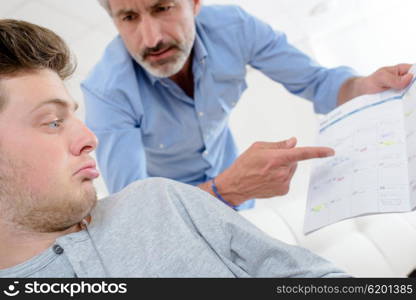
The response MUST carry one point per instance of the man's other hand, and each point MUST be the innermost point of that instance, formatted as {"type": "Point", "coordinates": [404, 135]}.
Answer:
{"type": "Point", "coordinates": [395, 77]}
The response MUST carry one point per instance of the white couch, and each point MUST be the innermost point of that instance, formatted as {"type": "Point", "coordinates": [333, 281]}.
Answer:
{"type": "Point", "coordinates": [370, 246]}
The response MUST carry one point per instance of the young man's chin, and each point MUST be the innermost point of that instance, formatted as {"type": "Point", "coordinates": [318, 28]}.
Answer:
{"type": "Point", "coordinates": [89, 188]}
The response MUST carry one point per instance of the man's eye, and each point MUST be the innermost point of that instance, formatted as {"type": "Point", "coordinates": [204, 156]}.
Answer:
{"type": "Point", "coordinates": [128, 18]}
{"type": "Point", "coordinates": [163, 8]}
{"type": "Point", "coordinates": [55, 124]}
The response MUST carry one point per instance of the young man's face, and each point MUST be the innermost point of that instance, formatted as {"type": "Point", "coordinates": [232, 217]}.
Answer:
{"type": "Point", "coordinates": [159, 34]}
{"type": "Point", "coordinates": [46, 172]}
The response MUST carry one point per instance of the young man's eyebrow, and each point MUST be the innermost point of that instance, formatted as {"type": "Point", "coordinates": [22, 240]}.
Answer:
{"type": "Point", "coordinates": [64, 103]}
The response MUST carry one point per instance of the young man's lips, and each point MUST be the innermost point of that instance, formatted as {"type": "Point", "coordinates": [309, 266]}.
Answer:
{"type": "Point", "coordinates": [88, 171]}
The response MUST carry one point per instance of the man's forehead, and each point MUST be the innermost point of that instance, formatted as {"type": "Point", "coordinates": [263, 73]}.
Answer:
{"type": "Point", "coordinates": [117, 5]}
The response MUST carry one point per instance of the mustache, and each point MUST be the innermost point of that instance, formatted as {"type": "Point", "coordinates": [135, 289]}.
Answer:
{"type": "Point", "coordinates": [160, 46]}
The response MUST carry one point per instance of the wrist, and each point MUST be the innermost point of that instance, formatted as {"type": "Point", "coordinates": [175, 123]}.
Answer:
{"type": "Point", "coordinates": [218, 195]}
{"type": "Point", "coordinates": [360, 86]}
{"type": "Point", "coordinates": [216, 188]}
{"type": "Point", "coordinates": [352, 88]}
{"type": "Point", "coordinates": [227, 187]}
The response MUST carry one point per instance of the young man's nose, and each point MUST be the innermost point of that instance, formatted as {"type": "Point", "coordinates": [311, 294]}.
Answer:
{"type": "Point", "coordinates": [150, 31]}
{"type": "Point", "coordinates": [84, 140]}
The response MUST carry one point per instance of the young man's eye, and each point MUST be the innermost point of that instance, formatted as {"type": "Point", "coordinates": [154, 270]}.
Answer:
{"type": "Point", "coordinates": [55, 124]}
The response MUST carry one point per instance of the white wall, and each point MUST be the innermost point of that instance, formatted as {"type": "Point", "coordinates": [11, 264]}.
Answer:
{"type": "Point", "coordinates": [364, 34]}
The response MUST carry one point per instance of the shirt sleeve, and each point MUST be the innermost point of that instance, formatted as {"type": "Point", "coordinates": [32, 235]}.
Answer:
{"type": "Point", "coordinates": [247, 251]}
{"type": "Point", "coordinates": [269, 51]}
{"type": "Point", "coordinates": [119, 137]}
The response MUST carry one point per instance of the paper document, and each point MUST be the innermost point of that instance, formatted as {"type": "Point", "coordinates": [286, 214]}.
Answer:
{"type": "Point", "coordinates": [374, 167]}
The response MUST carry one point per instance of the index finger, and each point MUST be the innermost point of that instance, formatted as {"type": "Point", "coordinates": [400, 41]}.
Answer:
{"type": "Point", "coordinates": [304, 153]}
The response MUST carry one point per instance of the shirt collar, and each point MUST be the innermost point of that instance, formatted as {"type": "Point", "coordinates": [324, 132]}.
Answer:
{"type": "Point", "coordinates": [199, 54]}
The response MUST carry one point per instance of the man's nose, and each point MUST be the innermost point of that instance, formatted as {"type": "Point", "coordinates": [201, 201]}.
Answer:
{"type": "Point", "coordinates": [84, 140]}
{"type": "Point", "coordinates": [150, 31]}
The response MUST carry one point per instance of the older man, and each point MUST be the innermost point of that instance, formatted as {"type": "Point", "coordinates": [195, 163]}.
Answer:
{"type": "Point", "coordinates": [51, 224]}
{"type": "Point", "coordinates": [160, 97]}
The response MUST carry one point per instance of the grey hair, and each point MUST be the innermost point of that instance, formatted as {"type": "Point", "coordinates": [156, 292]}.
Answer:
{"type": "Point", "coordinates": [106, 5]}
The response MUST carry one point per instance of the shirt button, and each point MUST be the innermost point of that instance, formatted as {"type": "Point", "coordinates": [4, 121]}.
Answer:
{"type": "Point", "coordinates": [201, 114]}
{"type": "Point", "coordinates": [161, 146]}
{"type": "Point", "coordinates": [58, 249]}
{"type": "Point", "coordinates": [205, 152]}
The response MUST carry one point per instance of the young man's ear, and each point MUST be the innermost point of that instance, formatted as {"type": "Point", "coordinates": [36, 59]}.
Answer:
{"type": "Point", "coordinates": [197, 6]}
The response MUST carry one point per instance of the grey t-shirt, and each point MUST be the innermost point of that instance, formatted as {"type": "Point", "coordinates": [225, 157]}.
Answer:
{"type": "Point", "coordinates": [160, 228]}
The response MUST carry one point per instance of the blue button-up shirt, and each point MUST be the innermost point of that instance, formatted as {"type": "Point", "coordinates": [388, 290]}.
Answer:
{"type": "Point", "coordinates": [148, 126]}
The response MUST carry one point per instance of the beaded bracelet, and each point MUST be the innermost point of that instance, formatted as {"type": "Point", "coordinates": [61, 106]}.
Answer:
{"type": "Point", "coordinates": [215, 190]}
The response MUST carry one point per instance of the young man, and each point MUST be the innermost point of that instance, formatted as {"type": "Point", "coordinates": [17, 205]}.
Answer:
{"type": "Point", "coordinates": [51, 224]}
{"type": "Point", "coordinates": [160, 97]}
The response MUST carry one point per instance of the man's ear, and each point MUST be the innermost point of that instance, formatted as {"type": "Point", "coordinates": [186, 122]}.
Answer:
{"type": "Point", "coordinates": [197, 6]}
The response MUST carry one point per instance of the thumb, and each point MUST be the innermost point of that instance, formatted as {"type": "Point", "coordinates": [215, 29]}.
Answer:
{"type": "Point", "coordinates": [405, 80]}
{"type": "Point", "coordinates": [286, 144]}
{"type": "Point", "coordinates": [291, 143]}
{"type": "Point", "coordinates": [396, 81]}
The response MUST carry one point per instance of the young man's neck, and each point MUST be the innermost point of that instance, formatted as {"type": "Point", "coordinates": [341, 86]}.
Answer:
{"type": "Point", "coordinates": [20, 246]}
{"type": "Point", "coordinates": [185, 77]}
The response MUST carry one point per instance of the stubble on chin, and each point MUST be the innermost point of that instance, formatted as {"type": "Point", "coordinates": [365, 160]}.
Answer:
{"type": "Point", "coordinates": [170, 66]}
{"type": "Point", "coordinates": [60, 212]}
{"type": "Point", "coordinates": [163, 68]}
{"type": "Point", "coordinates": [53, 209]}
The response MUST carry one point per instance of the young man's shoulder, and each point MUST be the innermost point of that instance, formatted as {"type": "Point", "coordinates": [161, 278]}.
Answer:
{"type": "Point", "coordinates": [151, 194]}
